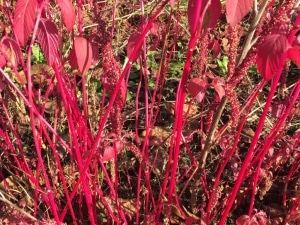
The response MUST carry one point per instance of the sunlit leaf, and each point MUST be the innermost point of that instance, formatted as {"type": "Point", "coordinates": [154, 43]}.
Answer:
{"type": "Point", "coordinates": [215, 47]}
{"type": "Point", "coordinates": [47, 36]}
{"type": "Point", "coordinates": [271, 55]}
{"type": "Point", "coordinates": [134, 37]}
{"type": "Point", "coordinates": [11, 50]}
{"type": "Point", "coordinates": [261, 217]}
{"type": "Point", "coordinates": [197, 88]}
{"type": "Point", "coordinates": [236, 10]}
{"type": "Point", "coordinates": [81, 55]}
{"type": "Point", "coordinates": [24, 17]}
{"type": "Point", "coordinates": [194, 11]}
{"type": "Point", "coordinates": [278, 108]}
{"type": "Point", "coordinates": [212, 14]}
{"type": "Point", "coordinates": [219, 87]}
{"type": "Point", "coordinates": [108, 154]}
{"type": "Point", "coordinates": [172, 3]}
{"type": "Point", "coordinates": [68, 13]}
{"type": "Point", "coordinates": [246, 220]}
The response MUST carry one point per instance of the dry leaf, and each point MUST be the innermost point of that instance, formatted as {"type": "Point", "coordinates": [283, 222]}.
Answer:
{"type": "Point", "coordinates": [128, 205]}
{"type": "Point", "coordinates": [50, 107]}
{"type": "Point", "coordinates": [159, 135]}
{"type": "Point", "coordinates": [187, 108]}
{"type": "Point", "coordinates": [9, 181]}
{"type": "Point", "coordinates": [247, 135]}
{"type": "Point", "coordinates": [158, 160]}
{"type": "Point", "coordinates": [38, 72]}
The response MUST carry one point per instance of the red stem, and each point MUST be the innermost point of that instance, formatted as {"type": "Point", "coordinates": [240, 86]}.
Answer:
{"type": "Point", "coordinates": [247, 160]}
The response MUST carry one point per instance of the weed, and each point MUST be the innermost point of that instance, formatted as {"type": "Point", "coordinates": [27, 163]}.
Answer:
{"type": "Point", "coordinates": [149, 112]}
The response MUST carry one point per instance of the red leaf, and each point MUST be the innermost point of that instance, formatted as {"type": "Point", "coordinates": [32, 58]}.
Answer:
{"type": "Point", "coordinates": [93, 39]}
{"type": "Point", "coordinates": [271, 152]}
{"type": "Point", "coordinates": [24, 18]}
{"type": "Point", "coordinates": [111, 152]}
{"type": "Point", "coordinates": [2, 61]}
{"type": "Point", "coordinates": [194, 11]}
{"type": "Point", "coordinates": [215, 47]}
{"type": "Point", "coordinates": [294, 217]}
{"type": "Point", "coordinates": [172, 3]}
{"type": "Point", "coordinates": [154, 29]}
{"type": "Point", "coordinates": [218, 86]}
{"type": "Point", "coordinates": [134, 37]}
{"type": "Point", "coordinates": [262, 173]}
{"type": "Point", "coordinates": [278, 109]}
{"type": "Point", "coordinates": [190, 220]}
{"type": "Point", "coordinates": [123, 90]}
{"type": "Point", "coordinates": [271, 55]}
{"type": "Point", "coordinates": [47, 36]}
{"type": "Point", "coordinates": [11, 50]}
{"type": "Point", "coordinates": [237, 9]}
{"type": "Point", "coordinates": [81, 56]}
{"type": "Point", "coordinates": [246, 220]}
{"type": "Point", "coordinates": [212, 14]}
{"type": "Point", "coordinates": [68, 13]}
{"type": "Point", "coordinates": [296, 41]}
{"type": "Point", "coordinates": [294, 55]}
{"type": "Point", "coordinates": [155, 37]}
{"type": "Point", "coordinates": [108, 154]}
{"type": "Point", "coordinates": [197, 88]}
{"type": "Point", "coordinates": [261, 218]}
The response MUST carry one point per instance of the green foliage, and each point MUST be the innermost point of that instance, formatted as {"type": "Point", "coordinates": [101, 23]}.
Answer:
{"type": "Point", "coordinates": [37, 55]}
{"type": "Point", "coordinates": [177, 64]}
{"type": "Point", "coordinates": [222, 65]}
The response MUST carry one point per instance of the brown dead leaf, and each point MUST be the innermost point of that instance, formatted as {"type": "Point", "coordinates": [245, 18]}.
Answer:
{"type": "Point", "coordinates": [159, 135]}
{"type": "Point", "coordinates": [225, 44]}
{"type": "Point", "coordinates": [247, 135]}
{"type": "Point", "coordinates": [127, 205]}
{"type": "Point", "coordinates": [8, 182]}
{"type": "Point", "coordinates": [187, 108]}
{"type": "Point", "coordinates": [38, 72]}
{"type": "Point", "coordinates": [158, 160]}
{"type": "Point", "coordinates": [274, 210]}
{"type": "Point", "coordinates": [190, 214]}
{"type": "Point", "coordinates": [50, 106]}
{"type": "Point", "coordinates": [176, 216]}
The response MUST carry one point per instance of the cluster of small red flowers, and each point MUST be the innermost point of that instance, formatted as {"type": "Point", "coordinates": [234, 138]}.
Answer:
{"type": "Point", "coordinates": [242, 69]}
{"type": "Point", "coordinates": [202, 60]}
{"type": "Point", "coordinates": [131, 147]}
{"type": "Point", "coordinates": [210, 114]}
{"type": "Point", "coordinates": [111, 74]}
{"type": "Point", "coordinates": [235, 107]}
{"type": "Point", "coordinates": [281, 15]}
{"type": "Point", "coordinates": [234, 34]}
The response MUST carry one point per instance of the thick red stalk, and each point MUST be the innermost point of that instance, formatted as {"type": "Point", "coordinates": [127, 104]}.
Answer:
{"type": "Point", "coordinates": [270, 139]}
{"type": "Point", "coordinates": [36, 137]}
{"type": "Point", "coordinates": [78, 153]}
{"type": "Point", "coordinates": [118, 85]}
{"type": "Point", "coordinates": [180, 101]}
{"type": "Point", "coordinates": [231, 151]}
{"type": "Point", "coordinates": [247, 160]}
{"type": "Point", "coordinates": [136, 130]}
{"type": "Point", "coordinates": [168, 168]}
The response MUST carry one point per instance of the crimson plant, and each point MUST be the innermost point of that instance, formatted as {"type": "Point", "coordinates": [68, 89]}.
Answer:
{"type": "Point", "coordinates": [78, 158]}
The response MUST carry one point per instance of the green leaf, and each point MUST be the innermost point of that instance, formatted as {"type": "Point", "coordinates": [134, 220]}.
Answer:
{"type": "Point", "coordinates": [37, 55]}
